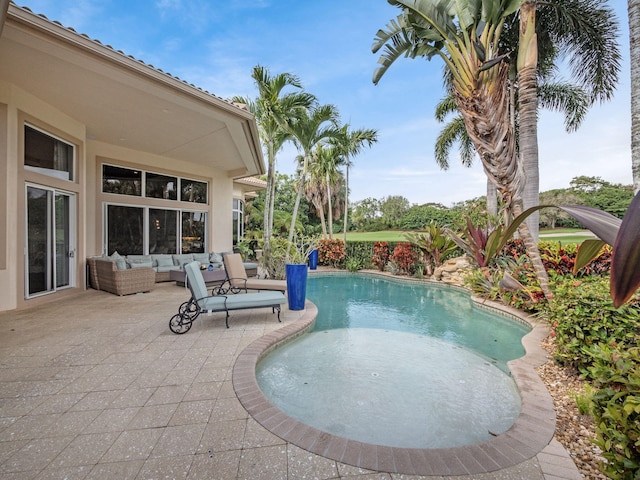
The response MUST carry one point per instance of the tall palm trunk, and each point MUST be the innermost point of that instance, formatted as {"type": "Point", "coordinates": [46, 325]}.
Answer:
{"type": "Point", "coordinates": [634, 40]}
{"type": "Point", "coordinates": [492, 198]}
{"type": "Point", "coordinates": [486, 116]}
{"type": "Point", "coordinates": [268, 199]}
{"type": "Point", "coordinates": [346, 202]}
{"type": "Point", "coordinates": [330, 207]}
{"type": "Point", "coordinates": [296, 205]}
{"type": "Point", "coordinates": [528, 110]}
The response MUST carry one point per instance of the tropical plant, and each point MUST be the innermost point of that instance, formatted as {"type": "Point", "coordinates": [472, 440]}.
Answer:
{"type": "Point", "coordinates": [323, 177]}
{"type": "Point", "coordinates": [468, 41]}
{"type": "Point", "coordinates": [381, 255]}
{"type": "Point", "coordinates": [308, 129]}
{"type": "Point", "coordinates": [331, 251]}
{"type": "Point", "coordinates": [404, 257]}
{"type": "Point", "coordinates": [348, 144]}
{"type": "Point", "coordinates": [272, 109]}
{"type": "Point", "coordinates": [353, 264]}
{"type": "Point", "coordinates": [582, 31]}
{"type": "Point", "coordinates": [434, 244]}
{"type": "Point", "coordinates": [482, 242]}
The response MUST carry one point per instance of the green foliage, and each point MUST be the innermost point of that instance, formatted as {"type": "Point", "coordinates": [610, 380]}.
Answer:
{"type": "Point", "coordinates": [360, 251]}
{"type": "Point", "coordinates": [331, 251]}
{"type": "Point", "coordinates": [244, 249]}
{"type": "Point", "coordinates": [353, 264]}
{"type": "Point", "coordinates": [274, 263]}
{"type": "Point", "coordinates": [434, 244]}
{"type": "Point", "coordinates": [584, 401]}
{"type": "Point", "coordinates": [393, 208]}
{"type": "Point", "coordinates": [420, 215]}
{"type": "Point", "coordinates": [598, 193]}
{"type": "Point", "coordinates": [582, 315]}
{"type": "Point", "coordinates": [615, 373]}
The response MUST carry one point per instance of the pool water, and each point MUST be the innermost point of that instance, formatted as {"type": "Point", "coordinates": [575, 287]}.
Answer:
{"type": "Point", "coordinates": [397, 364]}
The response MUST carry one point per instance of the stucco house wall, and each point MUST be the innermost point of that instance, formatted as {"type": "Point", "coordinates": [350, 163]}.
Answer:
{"type": "Point", "coordinates": [116, 110]}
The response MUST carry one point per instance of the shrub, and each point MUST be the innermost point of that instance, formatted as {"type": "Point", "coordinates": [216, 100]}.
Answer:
{"type": "Point", "coordinates": [381, 255]}
{"type": "Point", "coordinates": [616, 408]}
{"type": "Point", "coordinates": [561, 259]}
{"type": "Point", "coordinates": [331, 251]}
{"type": "Point", "coordinates": [362, 251]}
{"type": "Point", "coordinates": [404, 257]}
{"type": "Point", "coordinates": [353, 264]}
{"type": "Point", "coordinates": [583, 315]}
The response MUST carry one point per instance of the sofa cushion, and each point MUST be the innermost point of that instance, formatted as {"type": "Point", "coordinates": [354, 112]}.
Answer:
{"type": "Point", "coordinates": [139, 263]}
{"type": "Point", "coordinates": [201, 258]}
{"type": "Point", "coordinates": [119, 260]}
{"type": "Point", "coordinates": [180, 260]}
{"type": "Point", "coordinates": [215, 258]}
{"type": "Point", "coordinates": [163, 261]}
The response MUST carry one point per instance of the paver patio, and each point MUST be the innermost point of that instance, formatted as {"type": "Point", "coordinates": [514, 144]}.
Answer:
{"type": "Point", "coordinates": [96, 386]}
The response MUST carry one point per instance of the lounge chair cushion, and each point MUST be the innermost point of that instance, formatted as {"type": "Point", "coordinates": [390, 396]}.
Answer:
{"type": "Point", "coordinates": [227, 302]}
{"type": "Point", "coordinates": [237, 276]}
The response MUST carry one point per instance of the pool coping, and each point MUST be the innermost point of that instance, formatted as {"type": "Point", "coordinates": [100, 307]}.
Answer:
{"type": "Point", "coordinates": [528, 436]}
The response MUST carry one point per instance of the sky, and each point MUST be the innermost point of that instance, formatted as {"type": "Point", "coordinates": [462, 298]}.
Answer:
{"type": "Point", "coordinates": [215, 44]}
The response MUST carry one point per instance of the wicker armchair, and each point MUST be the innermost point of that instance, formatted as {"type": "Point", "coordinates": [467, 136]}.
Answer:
{"type": "Point", "coordinates": [122, 282]}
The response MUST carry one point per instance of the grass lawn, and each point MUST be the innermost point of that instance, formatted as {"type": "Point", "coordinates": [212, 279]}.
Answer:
{"type": "Point", "coordinates": [563, 235]}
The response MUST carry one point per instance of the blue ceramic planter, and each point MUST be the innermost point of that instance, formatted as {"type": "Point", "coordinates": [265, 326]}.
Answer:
{"type": "Point", "coordinates": [313, 259]}
{"type": "Point", "coordinates": [296, 285]}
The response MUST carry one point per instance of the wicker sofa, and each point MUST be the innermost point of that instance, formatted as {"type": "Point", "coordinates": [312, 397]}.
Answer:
{"type": "Point", "coordinates": [160, 264]}
{"type": "Point", "coordinates": [105, 275]}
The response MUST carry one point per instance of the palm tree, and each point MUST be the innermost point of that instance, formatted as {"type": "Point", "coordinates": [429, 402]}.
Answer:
{"type": "Point", "coordinates": [349, 144]}
{"type": "Point", "coordinates": [455, 132]}
{"type": "Point", "coordinates": [583, 31]}
{"type": "Point", "coordinates": [272, 108]}
{"type": "Point", "coordinates": [309, 128]}
{"type": "Point", "coordinates": [469, 44]}
{"type": "Point", "coordinates": [562, 97]}
{"type": "Point", "coordinates": [324, 185]}
{"type": "Point", "coordinates": [314, 187]}
{"type": "Point", "coordinates": [633, 6]}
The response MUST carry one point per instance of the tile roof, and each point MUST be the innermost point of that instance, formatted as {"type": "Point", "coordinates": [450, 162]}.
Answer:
{"type": "Point", "coordinates": [127, 57]}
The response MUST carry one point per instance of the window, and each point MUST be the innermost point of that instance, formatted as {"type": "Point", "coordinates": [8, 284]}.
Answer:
{"type": "Point", "coordinates": [161, 186]}
{"type": "Point", "coordinates": [238, 220]}
{"type": "Point", "coordinates": [193, 229]}
{"type": "Point", "coordinates": [48, 155]}
{"type": "Point", "coordinates": [163, 231]}
{"type": "Point", "coordinates": [128, 181]}
{"type": "Point", "coordinates": [126, 232]}
{"type": "Point", "coordinates": [193, 191]}
{"type": "Point", "coordinates": [123, 181]}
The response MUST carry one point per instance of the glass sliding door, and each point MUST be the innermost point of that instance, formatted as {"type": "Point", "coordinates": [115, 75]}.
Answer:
{"type": "Point", "coordinates": [163, 231]}
{"type": "Point", "coordinates": [125, 230]}
{"type": "Point", "coordinates": [50, 241]}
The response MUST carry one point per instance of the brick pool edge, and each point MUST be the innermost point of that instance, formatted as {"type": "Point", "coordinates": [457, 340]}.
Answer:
{"type": "Point", "coordinates": [528, 436]}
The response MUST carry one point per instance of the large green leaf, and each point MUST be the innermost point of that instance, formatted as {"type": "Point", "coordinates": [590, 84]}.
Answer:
{"type": "Point", "coordinates": [589, 249]}
{"type": "Point", "coordinates": [625, 262]}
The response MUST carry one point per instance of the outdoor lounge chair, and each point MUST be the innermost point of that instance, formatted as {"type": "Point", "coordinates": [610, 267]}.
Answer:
{"type": "Point", "coordinates": [202, 302]}
{"type": "Point", "coordinates": [237, 277]}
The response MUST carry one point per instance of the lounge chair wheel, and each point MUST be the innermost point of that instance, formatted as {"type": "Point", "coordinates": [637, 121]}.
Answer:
{"type": "Point", "coordinates": [189, 310]}
{"type": "Point", "coordinates": [180, 323]}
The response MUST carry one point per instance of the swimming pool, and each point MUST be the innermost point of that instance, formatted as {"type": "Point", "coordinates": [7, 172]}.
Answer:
{"type": "Point", "coordinates": [397, 364]}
